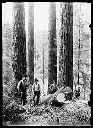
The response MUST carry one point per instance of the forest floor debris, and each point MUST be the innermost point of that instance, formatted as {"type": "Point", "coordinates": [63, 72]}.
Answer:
{"type": "Point", "coordinates": [72, 114]}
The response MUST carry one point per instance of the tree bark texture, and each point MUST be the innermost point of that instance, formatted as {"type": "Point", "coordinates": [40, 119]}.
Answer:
{"type": "Point", "coordinates": [31, 42]}
{"type": "Point", "coordinates": [66, 48]}
{"type": "Point", "coordinates": [19, 40]}
{"type": "Point", "coordinates": [52, 62]}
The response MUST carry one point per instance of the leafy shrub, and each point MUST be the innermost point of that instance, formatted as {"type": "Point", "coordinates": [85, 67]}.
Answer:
{"type": "Point", "coordinates": [11, 111]}
{"type": "Point", "coordinates": [80, 111]}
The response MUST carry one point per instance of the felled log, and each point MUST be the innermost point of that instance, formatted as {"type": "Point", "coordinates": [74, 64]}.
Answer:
{"type": "Point", "coordinates": [51, 96]}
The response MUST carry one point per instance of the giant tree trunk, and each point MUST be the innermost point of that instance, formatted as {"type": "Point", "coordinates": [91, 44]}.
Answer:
{"type": "Point", "coordinates": [30, 43]}
{"type": "Point", "coordinates": [19, 41]}
{"type": "Point", "coordinates": [66, 48]}
{"type": "Point", "coordinates": [52, 62]}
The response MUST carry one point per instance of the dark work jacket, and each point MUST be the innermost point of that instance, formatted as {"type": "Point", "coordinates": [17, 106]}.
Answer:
{"type": "Point", "coordinates": [22, 87]}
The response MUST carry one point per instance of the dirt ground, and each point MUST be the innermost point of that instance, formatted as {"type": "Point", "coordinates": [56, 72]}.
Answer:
{"type": "Point", "coordinates": [70, 114]}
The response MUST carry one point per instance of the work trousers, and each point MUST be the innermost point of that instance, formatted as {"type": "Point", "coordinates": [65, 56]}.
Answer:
{"type": "Point", "coordinates": [23, 98]}
{"type": "Point", "coordinates": [36, 93]}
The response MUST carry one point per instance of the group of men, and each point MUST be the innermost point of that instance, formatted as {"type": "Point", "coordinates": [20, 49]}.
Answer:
{"type": "Point", "coordinates": [22, 87]}
{"type": "Point", "coordinates": [23, 84]}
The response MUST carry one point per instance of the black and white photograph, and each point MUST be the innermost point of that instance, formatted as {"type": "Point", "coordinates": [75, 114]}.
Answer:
{"type": "Point", "coordinates": [46, 64]}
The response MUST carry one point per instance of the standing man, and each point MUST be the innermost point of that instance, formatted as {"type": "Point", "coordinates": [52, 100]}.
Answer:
{"type": "Point", "coordinates": [22, 87]}
{"type": "Point", "coordinates": [36, 91]}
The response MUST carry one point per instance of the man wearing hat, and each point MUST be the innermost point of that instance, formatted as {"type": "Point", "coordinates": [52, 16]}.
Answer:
{"type": "Point", "coordinates": [36, 91]}
{"type": "Point", "coordinates": [22, 87]}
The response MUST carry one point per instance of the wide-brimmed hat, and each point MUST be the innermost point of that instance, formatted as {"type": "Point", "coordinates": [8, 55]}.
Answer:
{"type": "Point", "coordinates": [36, 79]}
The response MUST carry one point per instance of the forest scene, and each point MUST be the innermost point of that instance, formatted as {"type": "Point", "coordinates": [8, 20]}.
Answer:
{"type": "Point", "coordinates": [49, 42]}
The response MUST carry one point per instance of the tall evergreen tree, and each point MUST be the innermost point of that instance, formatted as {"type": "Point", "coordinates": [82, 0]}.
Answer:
{"type": "Point", "coordinates": [52, 64]}
{"type": "Point", "coordinates": [66, 48]}
{"type": "Point", "coordinates": [30, 45]}
{"type": "Point", "coordinates": [19, 40]}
